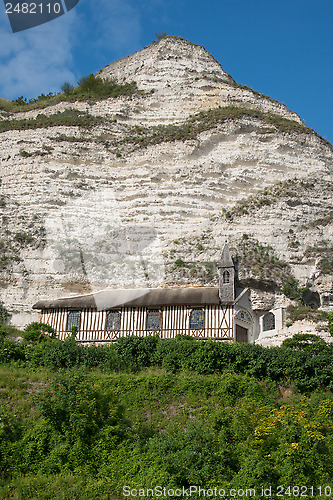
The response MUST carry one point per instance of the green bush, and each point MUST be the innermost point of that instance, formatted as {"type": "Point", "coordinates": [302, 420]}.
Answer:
{"type": "Point", "coordinates": [330, 323]}
{"type": "Point", "coordinates": [38, 332]}
{"type": "Point", "coordinates": [55, 354]}
{"type": "Point", "coordinates": [292, 290]}
{"type": "Point", "coordinates": [305, 341]}
{"type": "Point", "coordinates": [75, 408]}
{"type": "Point", "coordinates": [67, 88]}
{"type": "Point", "coordinates": [3, 313]}
{"type": "Point", "coordinates": [304, 361]}
{"type": "Point", "coordinates": [135, 353]}
{"type": "Point", "coordinates": [300, 312]}
{"type": "Point", "coordinates": [88, 87]}
{"type": "Point", "coordinates": [11, 351]}
{"type": "Point", "coordinates": [71, 437]}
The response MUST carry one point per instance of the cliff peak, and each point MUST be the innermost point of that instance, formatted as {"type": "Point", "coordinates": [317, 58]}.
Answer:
{"type": "Point", "coordinates": [168, 61]}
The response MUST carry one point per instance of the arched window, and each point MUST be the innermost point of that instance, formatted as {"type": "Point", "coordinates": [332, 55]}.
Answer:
{"type": "Point", "coordinates": [73, 319]}
{"type": "Point", "coordinates": [197, 319]}
{"type": "Point", "coordinates": [226, 277]}
{"type": "Point", "coordinates": [113, 320]}
{"type": "Point", "coordinates": [268, 322]}
{"type": "Point", "coordinates": [153, 319]}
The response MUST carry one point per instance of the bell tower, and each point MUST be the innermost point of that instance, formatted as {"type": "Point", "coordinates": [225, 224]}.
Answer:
{"type": "Point", "coordinates": [226, 277]}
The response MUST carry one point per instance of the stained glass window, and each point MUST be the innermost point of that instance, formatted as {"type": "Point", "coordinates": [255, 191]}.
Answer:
{"type": "Point", "coordinates": [197, 320]}
{"type": "Point", "coordinates": [74, 319]}
{"type": "Point", "coordinates": [226, 277]}
{"type": "Point", "coordinates": [153, 319]}
{"type": "Point", "coordinates": [113, 320]}
{"type": "Point", "coordinates": [268, 322]}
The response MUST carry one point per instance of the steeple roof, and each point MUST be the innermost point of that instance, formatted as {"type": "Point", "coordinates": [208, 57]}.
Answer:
{"type": "Point", "coordinates": [226, 260]}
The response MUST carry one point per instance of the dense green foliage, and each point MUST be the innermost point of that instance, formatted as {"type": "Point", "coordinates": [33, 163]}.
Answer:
{"type": "Point", "coordinates": [307, 369]}
{"type": "Point", "coordinates": [83, 421]}
{"type": "Point", "coordinates": [38, 332]}
{"type": "Point", "coordinates": [3, 313]}
{"type": "Point", "coordinates": [84, 434]}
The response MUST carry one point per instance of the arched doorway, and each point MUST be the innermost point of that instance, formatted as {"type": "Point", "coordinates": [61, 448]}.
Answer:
{"type": "Point", "coordinates": [243, 326]}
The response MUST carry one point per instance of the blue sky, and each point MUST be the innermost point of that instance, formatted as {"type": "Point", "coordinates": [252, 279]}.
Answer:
{"type": "Point", "coordinates": [283, 49]}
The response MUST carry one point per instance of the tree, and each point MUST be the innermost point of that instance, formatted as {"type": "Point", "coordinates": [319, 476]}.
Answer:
{"type": "Point", "coordinates": [67, 88]}
{"type": "Point", "coordinates": [21, 100]}
{"type": "Point", "coordinates": [292, 290]}
{"type": "Point", "coordinates": [160, 36]}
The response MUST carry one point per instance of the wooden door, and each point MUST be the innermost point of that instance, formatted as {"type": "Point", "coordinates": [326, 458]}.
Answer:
{"type": "Point", "coordinates": [241, 334]}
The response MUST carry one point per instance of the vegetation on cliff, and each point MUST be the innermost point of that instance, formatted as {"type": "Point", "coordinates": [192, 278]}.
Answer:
{"type": "Point", "coordinates": [206, 120]}
{"type": "Point", "coordinates": [69, 118]}
{"type": "Point", "coordinates": [89, 87]}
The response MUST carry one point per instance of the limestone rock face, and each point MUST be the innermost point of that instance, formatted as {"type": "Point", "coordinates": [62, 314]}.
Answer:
{"type": "Point", "coordinates": [184, 79]}
{"type": "Point", "coordinates": [144, 190]}
{"type": "Point", "coordinates": [274, 339]}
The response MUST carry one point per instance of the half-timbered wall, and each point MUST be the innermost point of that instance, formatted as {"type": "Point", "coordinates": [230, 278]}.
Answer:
{"type": "Point", "coordinates": [205, 322]}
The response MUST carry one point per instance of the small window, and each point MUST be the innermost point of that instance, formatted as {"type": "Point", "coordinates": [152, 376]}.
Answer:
{"type": "Point", "coordinates": [197, 319]}
{"type": "Point", "coordinates": [153, 319]}
{"type": "Point", "coordinates": [268, 322]}
{"type": "Point", "coordinates": [226, 277]}
{"type": "Point", "coordinates": [74, 319]}
{"type": "Point", "coordinates": [113, 320]}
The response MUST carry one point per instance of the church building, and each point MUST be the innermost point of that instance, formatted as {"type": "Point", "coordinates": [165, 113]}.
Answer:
{"type": "Point", "coordinates": [219, 313]}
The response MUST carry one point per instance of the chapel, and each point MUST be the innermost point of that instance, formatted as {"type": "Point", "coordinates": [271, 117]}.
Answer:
{"type": "Point", "coordinates": [218, 313]}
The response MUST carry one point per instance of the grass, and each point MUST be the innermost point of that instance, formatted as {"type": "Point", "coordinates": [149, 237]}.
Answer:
{"type": "Point", "coordinates": [295, 189]}
{"type": "Point", "coordinates": [89, 87]}
{"type": "Point", "coordinates": [68, 118]}
{"type": "Point", "coordinates": [84, 434]}
{"type": "Point", "coordinates": [320, 221]}
{"type": "Point", "coordinates": [12, 243]}
{"type": "Point", "coordinates": [301, 312]}
{"type": "Point", "coordinates": [255, 92]}
{"type": "Point", "coordinates": [324, 250]}
{"type": "Point", "coordinates": [206, 120]}
{"type": "Point", "coordinates": [151, 398]}
{"type": "Point", "coordinates": [259, 261]}
{"type": "Point", "coordinates": [18, 386]}
{"type": "Point", "coordinates": [65, 486]}
{"type": "Point", "coordinates": [153, 402]}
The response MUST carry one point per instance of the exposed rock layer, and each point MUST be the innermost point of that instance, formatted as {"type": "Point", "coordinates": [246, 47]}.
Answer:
{"type": "Point", "coordinates": [89, 207]}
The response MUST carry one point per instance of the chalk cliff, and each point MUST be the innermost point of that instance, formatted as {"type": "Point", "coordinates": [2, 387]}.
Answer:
{"type": "Point", "coordinates": [144, 189]}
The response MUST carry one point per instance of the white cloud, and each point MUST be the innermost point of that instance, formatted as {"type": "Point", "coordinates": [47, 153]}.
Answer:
{"type": "Point", "coordinates": [36, 60]}
{"type": "Point", "coordinates": [41, 59]}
